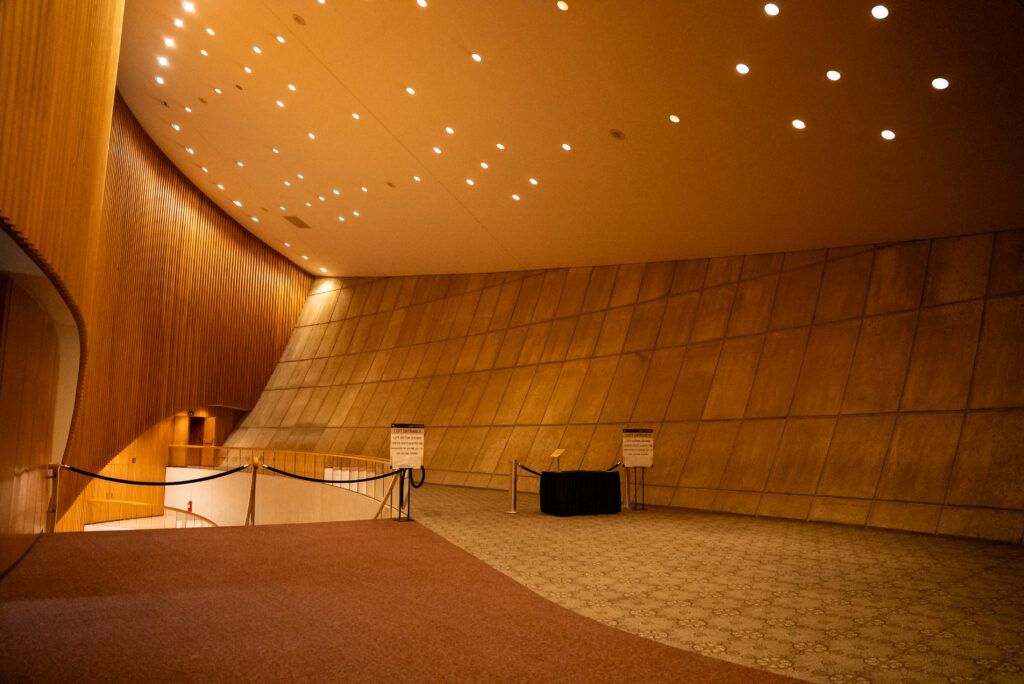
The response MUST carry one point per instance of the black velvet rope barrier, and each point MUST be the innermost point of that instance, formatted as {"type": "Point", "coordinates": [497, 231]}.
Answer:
{"type": "Point", "coordinates": [423, 477]}
{"type": "Point", "coordinates": [152, 484]}
{"type": "Point", "coordinates": [614, 467]}
{"type": "Point", "coordinates": [529, 470]}
{"type": "Point", "coordinates": [313, 479]}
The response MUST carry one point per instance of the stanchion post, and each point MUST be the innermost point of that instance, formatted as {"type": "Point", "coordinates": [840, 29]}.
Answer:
{"type": "Point", "coordinates": [52, 473]}
{"type": "Point", "coordinates": [250, 515]}
{"type": "Point", "coordinates": [513, 486]}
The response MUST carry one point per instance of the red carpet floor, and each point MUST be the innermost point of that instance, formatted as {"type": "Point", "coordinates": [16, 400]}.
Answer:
{"type": "Point", "coordinates": [363, 601]}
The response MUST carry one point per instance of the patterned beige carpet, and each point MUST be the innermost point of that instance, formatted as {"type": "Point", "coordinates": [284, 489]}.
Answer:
{"type": "Point", "coordinates": [820, 602]}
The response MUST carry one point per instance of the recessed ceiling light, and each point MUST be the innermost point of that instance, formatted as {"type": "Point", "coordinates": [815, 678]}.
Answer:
{"type": "Point", "coordinates": [476, 57]}
{"type": "Point", "coordinates": [940, 83]}
{"type": "Point", "coordinates": [280, 39]}
{"type": "Point", "coordinates": [169, 42]}
{"type": "Point", "coordinates": [308, 204]}
{"type": "Point", "coordinates": [190, 150]}
{"type": "Point", "coordinates": [335, 191]}
{"type": "Point", "coordinates": [247, 70]}
{"type": "Point", "coordinates": [355, 213]}
{"type": "Point", "coordinates": [210, 31]}
{"type": "Point", "coordinates": [288, 183]}
{"type": "Point", "coordinates": [323, 270]}
{"type": "Point", "coordinates": [673, 118]}
{"type": "Point", "coordinates": [742, 68]}
{"type": "Point", "coordinates": [240, 163]}
{"type": "Point", "coordinates": [204, 53]}
{"type": "Point", "coordinates": [410, 91]}
{"type": "Point", "coordinates": [287, 244]}
{"type": "Point", "coordinates": [282, 209]}
{"type": "Point", "coordinates": [771, 9]}
{"type": "Point", "coordinates": [879, 11]}
{"type": "Point", "coordinates": [562, 5]}
{"type": "Point", "coordinates": [469, 181]}
{"type": "Point", "coordinates": [566, 147]}
{"type": "Point", "coordinates": [797, 123]}
{"type": "Point", "coordinates": [176, 127]}
{"type": "Point", "coordinates": [437, 150]}
{"type": "Point", "coordinates": [311, 136]}
{"type": "Point", "coordinates": [179, 23]}
{"type": "Point", "coordinates": [515, 197]}
{"type": "Point", "coordinates": [305, 257]}
{"type": "Point", "coordinates": [833, 75]}
{"type": "Point", "coordinates": [256, 49]}
{"type": "Point", "coordinates": [237, 203]}
{"type": "Point", "coordinates": [205, 170]}
{"type": "Point", "coordinates": [888, 135]}
{"type": "Point", "coordinates": [363, 189]}
{"type": "Point", "coordinates": [291, 87]}
{"type": "Point", "coordinates": [188, 6]}
{"type": "Point", "coordinates": [500, 146]}
{"type": "Point", "coordinates": [299, 175]}
{"type": "Point", "coordinates": [188, 109]}
{"type": "Point", "coordinates": [162, 61]}
{"type": "Point", "coordinates": [449, 130]}
{"type": "Point", "coordinates": [254, 219]}
{"type": "Point", "coordinates": [280, 104]}
{"type": "Point", "coordinates": [320, 197]}
{"type": "Point", "coordinates": [276, 151]}
{"type": "Point", "coordinates": [160, 80]}
{"type": "Point", "coordinates": [483, 165]}
{"type": "Point", "coordinates": [533, 181]}
{"type": "Point", "coordinates": [354, 115]}
{"type": "Point", "coordinates": [416, 178]}
{"type": "Point", "coordinates": [217, 90]}
{"type": "Point", "coordinates": [421, 3]}
{"type": "Point", "coordinates": [220, 186]}
{"type": "Point", "coordinates": [341, 218]}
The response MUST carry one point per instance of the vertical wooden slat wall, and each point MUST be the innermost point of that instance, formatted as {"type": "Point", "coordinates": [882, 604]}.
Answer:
{"type": "Point", "coordinates": [876, 385]}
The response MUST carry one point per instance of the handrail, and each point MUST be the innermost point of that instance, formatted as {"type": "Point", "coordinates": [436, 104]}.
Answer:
{"type": "Point", "coordinates": [126, 502]}
{"type": "Point", "coordinates": [223, 447]}
{"type": "Point", "coordinates": [194, 515]}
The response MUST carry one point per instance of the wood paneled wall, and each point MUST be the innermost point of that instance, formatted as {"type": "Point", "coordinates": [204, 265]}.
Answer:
{"type": "Point", "coordinates": [195, 311]}
{"type": "Point", "coordinates": [879, 385]}
{"type": "Point", "coordinates": [28, 385]}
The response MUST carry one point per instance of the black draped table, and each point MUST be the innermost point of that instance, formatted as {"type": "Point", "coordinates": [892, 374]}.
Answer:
{"type": "Point", "coordinates": [579, 492]}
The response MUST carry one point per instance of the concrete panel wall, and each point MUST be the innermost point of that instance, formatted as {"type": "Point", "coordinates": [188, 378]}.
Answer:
{"type": "Point", "coordinates": [877, 385]}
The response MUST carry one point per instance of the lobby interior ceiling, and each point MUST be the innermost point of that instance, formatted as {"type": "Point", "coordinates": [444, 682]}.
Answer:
{"type": "Point", "coordinates": [389, 137]}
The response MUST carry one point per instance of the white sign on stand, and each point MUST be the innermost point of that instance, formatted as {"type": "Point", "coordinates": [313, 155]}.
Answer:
{"type": "Point", "coordinates": [406, 445]}
{"type": "Point", "coordinates": [638, 447]}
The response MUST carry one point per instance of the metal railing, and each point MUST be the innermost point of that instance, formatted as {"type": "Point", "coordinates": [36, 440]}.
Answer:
{"type": "Point", "coordinates": [121, 514]}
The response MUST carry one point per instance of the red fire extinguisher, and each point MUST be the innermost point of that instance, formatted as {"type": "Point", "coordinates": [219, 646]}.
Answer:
{"type": "Point", "coordinates": [190, 505]}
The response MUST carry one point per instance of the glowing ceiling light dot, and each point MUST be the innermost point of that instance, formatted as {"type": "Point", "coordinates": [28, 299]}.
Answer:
{"type": "Point", "coordinates": [797, 123]}
{"type": "Point", "coordinates": [288, 183]}
{"type": "Point", "coordinates": [335, 191]}
{"type": "Point", "coordinates": [308, 204]}
{"type": "Point", "coordinates": [160, 80]}
{"type": "Point", "coordinates": [354, 115]}
{"type": "Point", "coordinates": [940, 83]}
{"type": "Point", "coordinates": [341, 218]}
{"type": "Point", "coordinates": [562, 5]}
{"type": "Point", "coordinates": [275, 150]}
{"type": "Point", "coordinates": [205, 170]}
{"type": "Point", "coordinates": [190, 150]}
{"type": "Point", "coordinates": [188, 109]}
{"type": "Point", "coordinates": [280, 104]}
{"type": "Point", "coordinates": [742, 68]}
{"type": "Point", "coordinates": [673, 118]}
{"type": "Point", "coordinates": [282, 209]}
{"type": "Point", "coordinates": [280, 39]}
{"type": "Point", "coordinates": [533, 181]}
{"type": "Point", "coordinates": [469, 181]}
{"type": "Point", "coordinates": [483, 165]}
{"type": "Point", "coordinates": [305, 257]}
{"type": "Point", "coordinates": [888, 135]}
{"type": "Point", "coordinates": [179, 23]}
{"type": "Point", "coordinates": [240, 163]}
{"type": "Point", "coordinates": [210, 31]}
{"type": "Point", "coordinates": [311, 136]}
{"type": "Point", "coordinates": [220, 186]}
{"type": "Point", "coordinates": [169, 42]}
{"type": "Point", "coordinates": [515, 197]}
{"type": "Point", "coordinates": [476, 57]}
{"type": "Point", "coordinates": [437, 150]}
{"type": "Point", "coordinates": [449, 130]}
{"type": "Point", "coordinates": [255, 220]}
{"type": "Point", "coordinates": [879, 11]}
{"type": "Point", "coordinates": [176, 127]}
{"type": "Point", "coordinates": [566, 147]}
{"type": "Point", "coordinates": [204, 53]}
{"type": "Point", "coordinates": [217, 90]}
{"type": "Point", "coordinates": [237, 203]}
{"type": "Point", "coordinates": [771, 9]}
{"type": "Point", "coordinates": [833, 75]}
{"type": "Point", "coordinates": [247, 70]}
{"type": "Point", "coordinates": [421, 3]}
{"type": "Point", "coordinates": [256, 49]}
{"type": "Point", "coordinates": [416, 178]}
{"type": "Point", "coordinates": [355, 213]}
{"type": "Point", "coordinates": [363, 189]}
{"type": "Point", "coordinates": [291, 87]}
{"type": "Point", "coordinates": [410, 91]}
{"type": "Point", "coordinates": [320, 197]}
{"type": "Point", "coordinates": [188, 6]}
{"type": "Point", "coordinates": [323, 270]}
{"type": "Point", "coordinates": [500, 146]}
{"type": "Point", "coordinates": [299, 175]}
{"type": "Point", "coordinates": [162, 61]}
{"type": "Point", "coordinates": [287, 244]}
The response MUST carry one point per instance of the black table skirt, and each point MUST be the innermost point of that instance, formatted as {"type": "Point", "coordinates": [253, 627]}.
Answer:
{"type": "Point", "coordinates": [579, 492]}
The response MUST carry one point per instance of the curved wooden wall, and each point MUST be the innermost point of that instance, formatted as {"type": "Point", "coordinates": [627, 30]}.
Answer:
{"type": "Point", "coordinates": [879, 385]}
